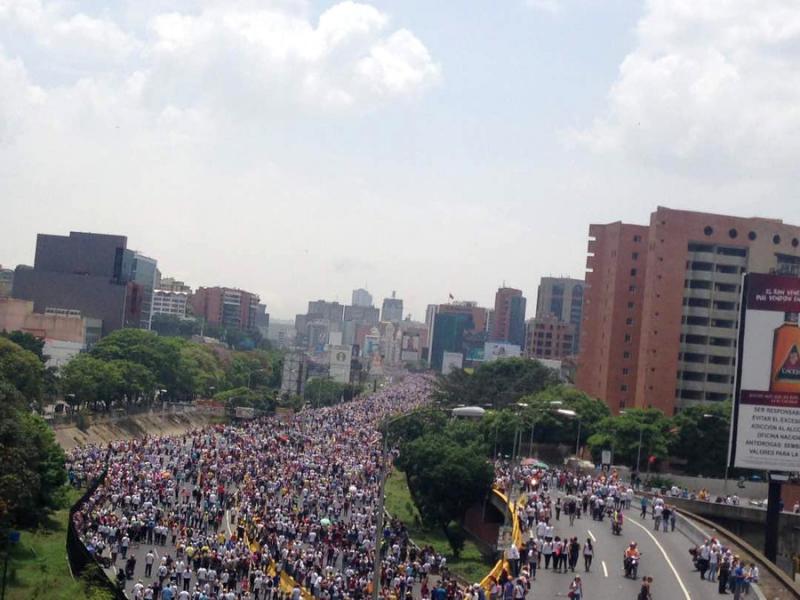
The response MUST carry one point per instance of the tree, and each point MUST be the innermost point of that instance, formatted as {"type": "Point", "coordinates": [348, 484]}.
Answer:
{"type": "Point", "coordinates": [550, 426]}
{"type": "Point", "coordinates": [701, 438]}
{"type": "Point", "coordinates": [136, 381]}
{"type": "Point", "coordinates": [173, 326]}
{"type": "Point", "coordinates": [31, 462]}
{"type": "Point", "coordinates": [27, 341]}
{"type": "Point", "coordinates": [621, 434]}
{"type": "Point", "coordinates": [499, 383]}
{"type": "Point", "coordinates": [445, 478]}
{"type": "Point", "coordinates": [22, 369]}
{"type": "Point", "coordinates": [87, 380]}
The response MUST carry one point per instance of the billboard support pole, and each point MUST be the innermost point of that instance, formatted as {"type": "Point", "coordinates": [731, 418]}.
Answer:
{"type": "Point", "coordinates": [773, 516]}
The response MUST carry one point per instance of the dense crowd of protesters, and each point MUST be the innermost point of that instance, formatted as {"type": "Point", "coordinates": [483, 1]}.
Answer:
{"type": "Point", "coordinates": [227, 512]}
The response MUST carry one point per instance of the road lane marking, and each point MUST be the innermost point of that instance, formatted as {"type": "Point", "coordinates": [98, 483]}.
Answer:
{"type": "Point", "coordinates": [666, 557]}
{"type": "Point", "coordinates": [605, 570]}
{"type": "Point", "coordinates": [591, 535]}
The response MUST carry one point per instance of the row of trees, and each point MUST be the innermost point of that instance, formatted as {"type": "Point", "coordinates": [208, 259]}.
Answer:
{"type": "Point", "coordinates": [527, 395]}
{"type": "Point", "coordinates": [238, 339]}
{"type": "Point", "coordinates": [31, 462]}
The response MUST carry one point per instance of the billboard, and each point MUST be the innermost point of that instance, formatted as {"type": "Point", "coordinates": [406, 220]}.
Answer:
{"type": "Point", "coordinates": [410, 347]}
{"type": "Point", "coordinates": [766, 414]}
{"type": "Point", "coordinates": [340, 357]}
{"type": "Point", "coordinates": [495, 350]}
{"type": "Point", "coordinates": [451, 361]}
{"type": "Point", "coordinates": [245, 412]}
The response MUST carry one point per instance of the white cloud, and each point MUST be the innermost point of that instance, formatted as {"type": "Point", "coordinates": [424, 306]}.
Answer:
{"type": "Point", "coordinates": [710, 87]}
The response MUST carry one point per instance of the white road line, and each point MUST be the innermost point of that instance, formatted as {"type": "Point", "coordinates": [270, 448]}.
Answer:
{"type": "Point", "coordinates": [591, 535]}
{"type": "Point", "coordinates": [605, 570]}
{"type": "Point", "coordinates": [666, 557]}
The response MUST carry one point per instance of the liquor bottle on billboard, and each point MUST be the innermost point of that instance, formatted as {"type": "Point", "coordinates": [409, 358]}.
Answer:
{"type": "Point", "coordinates": [786, 356]}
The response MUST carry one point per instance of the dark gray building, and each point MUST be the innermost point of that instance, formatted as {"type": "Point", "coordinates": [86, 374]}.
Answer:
{"type": "Point", "coordinates": [84, 272]}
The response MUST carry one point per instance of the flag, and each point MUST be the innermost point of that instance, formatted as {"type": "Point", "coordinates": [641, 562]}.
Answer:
{"type": "Point", "coordinates": [451, 296]}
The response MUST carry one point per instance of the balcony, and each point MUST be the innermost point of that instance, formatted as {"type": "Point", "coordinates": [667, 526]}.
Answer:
{"type": "Point", "coordinates": [709, 350]}
{"type": "Point", "coordinates": [735, 278]}
{"type": "Point", "coordinates": [700, 275]}
{"type": "Point", "coordinates": [696, 311]}
{"type": "Point", "coordinates": [696, 293]}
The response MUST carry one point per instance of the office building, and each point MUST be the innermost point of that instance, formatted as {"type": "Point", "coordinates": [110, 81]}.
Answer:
{"type": "Point", "coordinates": [295, 372]}
{"type": "Point", "coordinates": [549, 337]}
{"type": "Point", "coordinates": [82, 272]}
{"type": "Point", "coordinates": [142, 270]}
{"type": "Point", "coordinates": [509, 317]}
{"type": "Point", "coordinates": [361, 297]}
{"type": "Point", "coordinates": [262, 320]}
{"type": "Point", "coordinates": [168, 302]}
{"type": "Point", "coordinates": [6, 281]}
{"type": "Point", "coordinates": [362, 314]}
{"type": "Point", "coordinates": [562, 297]}
{"type": "Point", "coordinates": [661, 305]}
{"type": "Point", "coordinates": [226, 307]}
{"type": "Point", "coordinates": [457, 327]}
{"type": "Point", "coordinates": [392, 309]}
{"type": "Point", "coordinates": [326, 311]}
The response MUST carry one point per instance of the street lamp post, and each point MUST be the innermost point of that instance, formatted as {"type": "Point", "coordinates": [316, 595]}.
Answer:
{"type": "Point", "coordinates": [727, 454]}
{"type": "Point", "coordinates": [572, 414]}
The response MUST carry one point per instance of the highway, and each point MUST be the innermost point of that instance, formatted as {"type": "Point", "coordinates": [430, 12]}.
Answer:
{"type": "Point", "coordinates": [665, 558]}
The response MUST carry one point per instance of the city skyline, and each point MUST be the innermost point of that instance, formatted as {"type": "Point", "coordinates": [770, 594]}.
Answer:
{"type": "Point", "coordinates": [412, 123]}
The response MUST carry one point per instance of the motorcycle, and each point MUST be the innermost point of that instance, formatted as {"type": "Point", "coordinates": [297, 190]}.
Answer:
{"type": "Point", "coordinates": [631, 565]}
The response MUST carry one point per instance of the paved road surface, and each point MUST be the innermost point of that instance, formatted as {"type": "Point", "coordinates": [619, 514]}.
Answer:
{"type": "Point", "coordinates": [665, 557]}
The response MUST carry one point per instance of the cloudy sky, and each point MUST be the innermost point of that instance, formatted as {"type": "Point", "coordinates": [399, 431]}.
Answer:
{"type": "Point", "coordinates": [300, 149]}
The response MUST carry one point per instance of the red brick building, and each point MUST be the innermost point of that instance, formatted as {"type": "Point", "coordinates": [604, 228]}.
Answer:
{"type": "Point", "coordinates": [226, 306]}
{"type": "Point", "coordinates": [549, 337]}
{"type": "Point", "coordinates": [661, 308]}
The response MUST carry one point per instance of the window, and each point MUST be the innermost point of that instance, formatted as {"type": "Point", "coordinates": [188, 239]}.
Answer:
{"type": "Point", "coordinates": [633, 272]}
{"type": "Point", "coordinates": [631, 288]}
{"type": "Point", "coordinates": [635, 256]}
{"type": "Point", "coordinates": [627, 337]}
{"type": "Point", "coordinates": [752, 236]}
{"type": "Point", "coordinates": [626, 354]}
{"type": "Point", "coordinates": [701, 266]}
{"type": "Point", "coordinates": [708, 230]}
{"type": "Point", "coordinates": [776, 239]}
{"type": "Point", "coordinates": [623, 387]}
{"type": "Point", "coordinates": [637, 238]}
{"type": "Point", "coordinates": [628, 321]}
{"type": "Point", "coordinates": [732, 233]}
{"type": "Point", "coordinates": [694, 247]}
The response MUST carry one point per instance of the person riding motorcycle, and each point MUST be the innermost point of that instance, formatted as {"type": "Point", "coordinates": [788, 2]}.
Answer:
{"type": "Point", "coordinates": [631, 560]}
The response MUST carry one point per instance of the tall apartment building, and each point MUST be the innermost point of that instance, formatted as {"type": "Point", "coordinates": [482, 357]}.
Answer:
{"type": "Point", "coordinates": [562, 297]}
{"type": "Point", "coordinates": [362, 314]}
{"type": "Point", "coordinates": [549, 337]}
{"type": "Point", "coordinates": [392, 309]}
{"type": "Point", "coordinates": [662, 305]}
{"type": "Point", "coordinates": [324, 310]}
{"type": "Point", "coordinates": [361, 297]}
{"type": "Point", "coordinates": [229, 307]}
{"type": "Point", "coordinates": [456, 327]}
{"type": "Point", "coordinates": [509, 317]}
{"type": "Point", "coordinates": [82, 272]}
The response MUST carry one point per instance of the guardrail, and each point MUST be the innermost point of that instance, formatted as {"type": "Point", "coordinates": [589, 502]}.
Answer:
{"type": "Point", "coordinates": [78, 555]}
{"type": "Point", "coordinates": [516, 536]}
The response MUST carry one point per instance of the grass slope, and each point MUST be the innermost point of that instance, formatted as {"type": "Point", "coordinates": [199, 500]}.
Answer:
{"type": "Point", "coordinates": [38, 567]}
{"type": "Point", "coordinates": [470, 565]}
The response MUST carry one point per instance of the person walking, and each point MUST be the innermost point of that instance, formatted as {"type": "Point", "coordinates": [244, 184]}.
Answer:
{"type": "Point", "coordinates": [576, 588]}
{"type": "Point", "coordinates": [574, 553]}
{"type": "Point", "coordinates": [588, 554]}
{"type": "Point", "coordinates": [645, 591]}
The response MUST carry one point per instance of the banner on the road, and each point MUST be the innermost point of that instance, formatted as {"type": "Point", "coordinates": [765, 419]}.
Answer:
{"type": "Point", "coordinates": [765, 432]}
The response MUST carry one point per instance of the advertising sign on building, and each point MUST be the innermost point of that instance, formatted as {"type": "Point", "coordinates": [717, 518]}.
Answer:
{"type": "Point", "coordinates": [495, 350]}
{"type": "Point", "coordinates": [451, 361]}
{"type": "Point", "coordinates": [766, 414]}
{"type": "Point", "coordinates": [410, 347]}
{"type": "Point", "coordinates": [372, 345]}
{"type": "Point", "coordinates": [340, 363]}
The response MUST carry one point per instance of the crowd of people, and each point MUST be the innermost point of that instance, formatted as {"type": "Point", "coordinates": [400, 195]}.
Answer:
{"type": "Point", "coordinates": [236, 512]}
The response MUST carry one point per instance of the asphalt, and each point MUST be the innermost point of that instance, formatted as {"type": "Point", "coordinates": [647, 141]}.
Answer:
{"type": "Point", "coordinates": [665, 558]}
